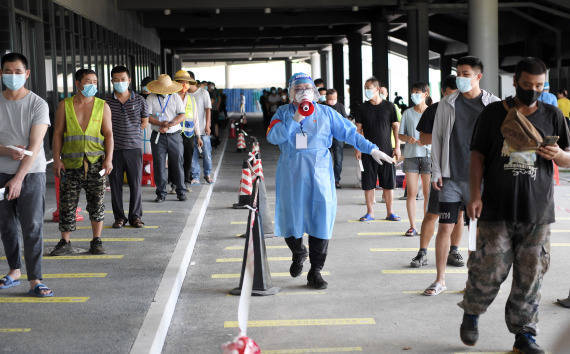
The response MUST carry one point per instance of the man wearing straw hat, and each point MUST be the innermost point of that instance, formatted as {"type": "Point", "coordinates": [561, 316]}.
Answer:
{"type": "Point", "coordinates": [167, 111]}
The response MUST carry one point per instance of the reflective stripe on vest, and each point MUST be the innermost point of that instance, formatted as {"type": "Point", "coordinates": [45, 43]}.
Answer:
{"type": "Point", "coordinates": [188, 122]}
{"type": "Point", "coordinates": [78, 144]}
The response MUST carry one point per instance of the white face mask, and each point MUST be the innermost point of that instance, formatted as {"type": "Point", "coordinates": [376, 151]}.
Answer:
{"type": "Point", "coordinates": [304, 95]}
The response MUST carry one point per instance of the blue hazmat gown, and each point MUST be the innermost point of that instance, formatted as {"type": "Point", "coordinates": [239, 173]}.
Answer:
{"type": "Point", "coordinates": [305, 190]}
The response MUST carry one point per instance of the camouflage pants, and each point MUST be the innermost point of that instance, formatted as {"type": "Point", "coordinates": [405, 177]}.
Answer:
{"type": "Point", "coordinates": [70, 185]}
{"type": "Point", "coordinates": [499, 245]}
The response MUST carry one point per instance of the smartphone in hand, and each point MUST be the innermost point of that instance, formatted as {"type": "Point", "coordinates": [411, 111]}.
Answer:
{"type": "Point", "coordinates": [550, 140]}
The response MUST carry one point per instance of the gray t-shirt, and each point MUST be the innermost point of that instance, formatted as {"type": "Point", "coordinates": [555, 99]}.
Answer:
{"type": "Point", "coordinates": [16, 121]}
{"type": "Point", "coordinates": [203, 102]}
{"type": "Point", "coordinates": [466, 113]}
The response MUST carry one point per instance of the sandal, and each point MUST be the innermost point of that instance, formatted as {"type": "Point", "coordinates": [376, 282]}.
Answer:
{"type": "Point", "coordinates": [393, 217]}
{"type": "Point", "coordinates": [366, 217]}
{"type": "Point", "coordinates": [37, 291]}
{"type": "Point", "coordinates": [411, 232]}
{"type": "Point", "coordinates": [7, 282]}
{"type": "Point", "coordinates": [434, 289]}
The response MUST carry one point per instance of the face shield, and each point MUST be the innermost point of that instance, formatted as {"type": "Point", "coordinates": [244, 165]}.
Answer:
{"type": "Point", "coordinates": [302, 87]}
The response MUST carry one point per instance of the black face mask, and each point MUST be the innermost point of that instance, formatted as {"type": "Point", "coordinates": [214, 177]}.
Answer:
{"type": "Point", "coordinates": [528, 97]}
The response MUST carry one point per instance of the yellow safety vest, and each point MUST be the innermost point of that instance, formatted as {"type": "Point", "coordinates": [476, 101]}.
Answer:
{"type": "Point", "coordinates": [78, 144]}
{"type": "Point", "coordinates": [188, 122]}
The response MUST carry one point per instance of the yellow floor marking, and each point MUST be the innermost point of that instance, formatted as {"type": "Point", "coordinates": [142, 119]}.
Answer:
{"type": "Point", "coordinates": [314, 350]}
{"type": "Point", "coordinates": [104, 239]}
{"type": "Point", "coordinates": [234, 248]}
{"type": "Point", "coordinates": [483, 353]}
{"type": "Point", "coordinates": [243, 222]}
{"type": "Point", "coordinates": [74, 275]}
{"type": "Point", "coordinates": [422, 291]}
{"type": "Point", "coordinates": [41, 300]}
{"type": "Point", "coordinates": [237, 275]}
{"type": "Point", "coordinates": [124, 227]}
{"type": "Point", "coordinates": [406, 249]}
{"type": "Point", "coordinates": [103, 256]}
{"type": "Point", "coordinates": [556, 244]}
{"type": "Point", "coordinates": [382, 220]}
{"type": "Point", "coordinates": [146, 212]}
{"type": "Point", "coordinates": [292, 293]}
{"type": "Point", "coordinates": [563, 218]}
{"type": "Point", "coordinates": [380, 234]}
{"type": "Point", "coordinates": [229, 260]}
{"type": "Point", "coordinates": [15, 330]}
{"type": "Point", "coordinates": [305, 322]}
{"type": "Point", "coordinates": [556, 231]}
{"type": "Point", "coordinates": [422, 271]}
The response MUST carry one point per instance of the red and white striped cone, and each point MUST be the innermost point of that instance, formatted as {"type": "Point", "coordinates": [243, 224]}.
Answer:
{"type": "Point", "coordinates": [241, 142]}
{"type": "Point", "coordinates": [245, 187]}
{"type": "Point", "coordinates": [255, 148]}
{"type": "Point", "coordinates": [258, 168]}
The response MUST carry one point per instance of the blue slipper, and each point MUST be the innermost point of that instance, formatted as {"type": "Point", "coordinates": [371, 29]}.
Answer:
{"type": "Point", "coordinates": [8, 282]}
{"type": "Point", "coordinates": [37, 291]}
{"type": "Point", "coordinates": [366, 217]}
{"type": "Point", "coordinates": [393, 217]}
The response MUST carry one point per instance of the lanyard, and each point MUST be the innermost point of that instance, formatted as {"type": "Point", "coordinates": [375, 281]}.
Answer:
{"type": "Point", "coordinates": [165, 105]}
{"type": "Point", "coordinates": [301, 123]}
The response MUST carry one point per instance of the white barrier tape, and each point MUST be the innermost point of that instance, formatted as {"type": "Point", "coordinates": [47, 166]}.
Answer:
{"type": "Point", "coordinates": [472, 235]}
{"type": "Point", "coordinates": [25, 152]}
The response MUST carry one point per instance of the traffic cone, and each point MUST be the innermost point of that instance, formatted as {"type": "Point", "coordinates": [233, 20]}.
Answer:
{"type": "Point", "coordinates": [255, 147]}
{"type": "Point", "coordinates": [245, 187]}
{"type": "Point", "coordinates": [55, 215]}
{"type": "Point", "coordinates": [232, 131]}
{"type": "Point", "coordinates": [262, 285]}
{"type": "Point", "coordinates": [241, 142]}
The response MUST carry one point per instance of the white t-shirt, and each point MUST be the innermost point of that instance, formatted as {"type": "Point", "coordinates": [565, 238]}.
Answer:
{"type": "Point", "coordinates": [16, 121]}
{"type": "Point", "coordinates": [203, 102]}
{"type": "Point", "coordinates": [175, 107]}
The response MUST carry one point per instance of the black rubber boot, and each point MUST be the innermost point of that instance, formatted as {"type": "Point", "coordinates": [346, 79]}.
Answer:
{"type": "Point", "coordinates": [317, 254]}
{"type": "Point", "coordinates": [525, 343]}
{"type": "Point", "coordinates": [299, 255]}
{"type": "Point", "coordinates": [469, 331]}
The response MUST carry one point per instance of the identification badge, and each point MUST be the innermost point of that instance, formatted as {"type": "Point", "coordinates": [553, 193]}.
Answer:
{"type": "Point", "coordinates": [301, 141]}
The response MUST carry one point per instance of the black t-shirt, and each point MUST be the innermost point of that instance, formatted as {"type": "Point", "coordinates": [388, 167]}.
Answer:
{"type": "Point", "coordinates": [518, 186]}
{"type": "Point", "coordinates": [339, 107]}
{"type": "Point", "coordinates": [425, 125]}
{"type": "Point", "coordinates": [377, 122]}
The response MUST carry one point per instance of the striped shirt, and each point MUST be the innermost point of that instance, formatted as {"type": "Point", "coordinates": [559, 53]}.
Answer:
{"type": "Point", "coordinates": [126, 118]}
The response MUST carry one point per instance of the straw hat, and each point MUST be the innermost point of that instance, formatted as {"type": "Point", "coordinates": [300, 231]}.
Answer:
{"type": "Point", "coordinates": [164, 85]}
{"type": "Point", "coordinates": [183, 75]}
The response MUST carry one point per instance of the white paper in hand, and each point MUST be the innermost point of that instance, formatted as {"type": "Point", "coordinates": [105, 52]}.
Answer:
{"type": "Point", "coordinates": [361, 166]}
{"type": "Point", "coordinates": [102, 172]}
{"type": "Point", "coordinates": [472, 235]}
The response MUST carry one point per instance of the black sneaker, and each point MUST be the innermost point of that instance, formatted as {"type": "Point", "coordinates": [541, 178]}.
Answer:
{"type": "Point", "coordinates": [96, 246]}
{"type": "Point", "coordinates": [159, 199]}
{"type": "Point", "coordinates": [468, 331]}
{"type": "Point", "coordinates": [525, 343]}
{"type": "Point", "coordinates": [63, 248]}
{"type": "Point", "coordinates": [181, 197]}
{"type": "Point", "coordinates": [315, 280]}
{"type": "Point", "coordinates": [454, 259]}
{"type": "Point", "coordinates": [419, 260]}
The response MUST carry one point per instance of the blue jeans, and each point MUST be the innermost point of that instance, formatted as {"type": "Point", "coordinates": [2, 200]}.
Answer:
{"type": "Point", "coordinates": [337, 148]}
{"type": "Point", "coordinates": [207, 152]}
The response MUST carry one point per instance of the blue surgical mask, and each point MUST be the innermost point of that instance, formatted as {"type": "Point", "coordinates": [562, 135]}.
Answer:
{"type": "Point", "coordinates": [417, 98]}
{"type": "Point", "coordinates": [89, 90]}
{"type": "Point", "coordinates": [369, 94]}
{"type": "Point", "coordinates": [121, 87]}
{"type": "Point", "coordinates": [322, 98]}
{"type": "Point", "coordinates": [14, 81]}
{"type": "Point", "coordinates": [145, 89]}
{"type": "Point", "coordinates": [463, 84]}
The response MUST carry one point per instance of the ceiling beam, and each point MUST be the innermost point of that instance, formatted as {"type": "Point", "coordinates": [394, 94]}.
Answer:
{"type": "Point", "coordinates": [269, 50]}
{"type": "Point", "coordinates": [228, 43]}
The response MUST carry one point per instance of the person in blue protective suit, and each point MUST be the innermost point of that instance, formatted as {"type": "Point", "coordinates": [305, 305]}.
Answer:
{"type": "Point", "coordinates": [305, 190]}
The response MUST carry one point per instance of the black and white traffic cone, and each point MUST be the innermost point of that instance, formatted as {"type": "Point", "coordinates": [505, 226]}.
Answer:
{"type": "Point", "coordinates": [245, 187]}
{"type": "Point", "coordinates": [262, 285]}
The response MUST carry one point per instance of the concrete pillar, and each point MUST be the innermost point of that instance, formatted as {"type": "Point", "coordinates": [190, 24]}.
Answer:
{"type": "Point", "coordinates": [379, 31]}
{"type": "Point", "coordinates": [445, 66]}
{"type": "Point", "coordinates": [418, 44]}
{"type": "Point", "coordinates": [288, 71]}
{"type": "Point", "coordinates": [355, 69]}
{"type": "Point", "coordinates": [324, 67]}
{"type": "Point", "coordinates": [228, 79]}
{"type": "Point", "coordinates": [315, 65]}
{"type": "Point", "coordinates": [484, 40]}
{"type": "Point", "coordinates": [338, 69]}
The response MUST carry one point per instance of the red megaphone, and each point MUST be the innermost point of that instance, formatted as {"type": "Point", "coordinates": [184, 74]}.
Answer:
{"type": "Point", "coordinates": [306, 108]}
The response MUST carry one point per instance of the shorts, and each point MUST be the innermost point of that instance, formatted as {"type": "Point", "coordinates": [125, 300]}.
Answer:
{"type": "Point", "coordinates": [385, 173]}
{"type": "Point", "coordinates": [433, 203]}
{"type": "Point", "coordinates": [421, 165]}
{"type": "Point", "coordinates": [452, 197]}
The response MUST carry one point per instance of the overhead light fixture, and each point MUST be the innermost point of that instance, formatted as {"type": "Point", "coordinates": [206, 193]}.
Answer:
{"type": "Point", "coordinates": [290, 57]}
{"type": "Point", "coordinates": [270, 58]}
{"type": "Point", "coordinates": [182, 29]}
{"type": "Point", "coordinates": [261, 28]}
{"type": "Point", "coordinates": [250, 58]}
{"type": "Point", "coordinates": [355, 9]}
{"type": "Point", "coordinates": [217, 11]}
{"type": "Point", "coordinates": [167, 12]}
{"type": "Point", "coordinates": [267, 10]}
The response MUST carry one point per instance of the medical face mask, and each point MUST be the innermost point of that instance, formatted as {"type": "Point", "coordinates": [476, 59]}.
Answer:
{"type": "Point", "coordinates": [145, 90]}
{"type": "Point", "coordinates": [14, 81]}
{"type": "Point", "coordinates": [417, 98]}
{"type": "Point", "coordinates": [89, 90]}
{"type": "Point", "coordinates": [382, 96]}
{"type": "Point", "coordinates": [463, 84]}
{"type": "Point", "coordinates": [528, 97]}
{"type": "Point", "coordinates": [369, 93]}
{"type": "Point", "coordinates": [304, 95]}
{"type": "Point", "coordinates": [121, 87]}
{"type": "Point", "coordinates": [322, 98]}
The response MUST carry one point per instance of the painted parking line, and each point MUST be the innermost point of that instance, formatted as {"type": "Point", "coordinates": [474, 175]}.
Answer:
{"type": "Point", "coordinates": [41, 300]}
{"type": "Point", "coordinates": [15, 330]}
{"type": "Point", "coordinates": [558, 231]}
{"type": "Point", "coordinates": [99, 256]}
{"type": "Point", "coordinates": [314, 350]}
{"type": "Point", "coordinates": [237, 275]}
{"type": "Point", "coordinates": [560, 244]}
{"type": "Point", "coordinates": [73, 275]}
{"type": "Point", "coordinates": [230, 260]}
{"type": "Point", "coordinates": [305, 322]}
{"type": "Point", "coordinates": [146, 212]}
{"type": "Point", "coordinates": [422, 271]}
{"type": "Point", "coordinates": [236, 248]}
{"type": "Point", "coordinates": [406, 249]}
{"type": "Point", "coordinates": [422, 291]}
{"type": "Point", "coordinates": [104, 239]}
{"type": "Point", "coordinates": [124, 227]}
